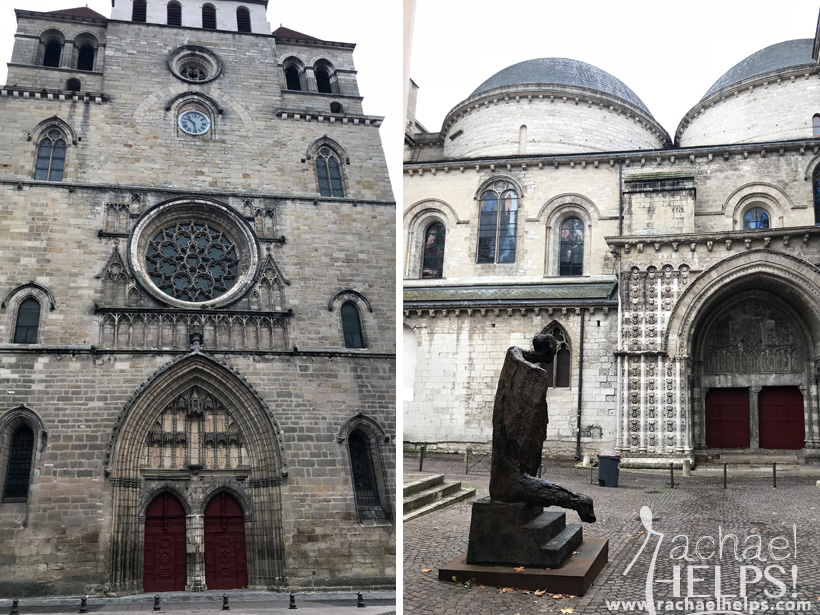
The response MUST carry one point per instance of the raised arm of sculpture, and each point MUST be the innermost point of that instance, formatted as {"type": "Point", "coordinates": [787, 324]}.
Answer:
{"type": "Point", "coordinates": [520, 429]}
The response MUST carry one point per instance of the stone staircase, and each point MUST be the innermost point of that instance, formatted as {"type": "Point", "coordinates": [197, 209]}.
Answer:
{"type": "Point", "coordinates": [424, 493]}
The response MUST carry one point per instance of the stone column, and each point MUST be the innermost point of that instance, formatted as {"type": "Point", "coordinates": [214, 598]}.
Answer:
{"type": "Point", "coordinates": [310, 80]}
{"type": "Point", "coordinates": [195, 553]}
{"type": "Point", "coordinates": [67, 57]}
{"type": "Point", "coordinates": [754, 418]}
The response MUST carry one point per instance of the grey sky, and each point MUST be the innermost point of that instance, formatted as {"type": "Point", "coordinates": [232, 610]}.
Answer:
{"type": "Point", "coordinates": [668, 53]}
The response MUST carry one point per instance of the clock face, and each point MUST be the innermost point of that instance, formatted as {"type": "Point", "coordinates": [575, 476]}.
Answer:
{"type": "Point", "coordinates": [194, 122]}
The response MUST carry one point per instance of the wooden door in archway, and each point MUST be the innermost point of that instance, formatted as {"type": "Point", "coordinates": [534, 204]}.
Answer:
{"type": "Point", "coordinates": [781, 418]}
{"type": "Point", "coordinates": [225, 562]}
{"type": "Point", "coordinates": [164, 567]}
{"type": "Point", "coordinates": [727, 418]}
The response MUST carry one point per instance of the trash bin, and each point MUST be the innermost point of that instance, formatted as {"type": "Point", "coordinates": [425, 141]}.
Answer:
{"type": "Point", "coordinates": [608, 470]}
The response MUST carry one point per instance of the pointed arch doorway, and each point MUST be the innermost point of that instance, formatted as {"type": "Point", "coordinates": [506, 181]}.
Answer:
{"type": "Point", "coordinates": [225, 561]}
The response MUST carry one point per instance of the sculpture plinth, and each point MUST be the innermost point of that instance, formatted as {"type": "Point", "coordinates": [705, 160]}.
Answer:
{"type": "Point", "coordinates": [510, 530]}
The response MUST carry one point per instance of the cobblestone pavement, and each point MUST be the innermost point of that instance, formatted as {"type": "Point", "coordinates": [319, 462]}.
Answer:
{"type": "Point", "coordinates": [698, 508]}
{"type": "Point", "coordinates": [241, 602]}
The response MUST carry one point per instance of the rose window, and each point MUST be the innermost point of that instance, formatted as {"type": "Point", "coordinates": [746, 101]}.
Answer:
{"type": "Point", "coordinates": [193, 72]}
{"type": "Point", "coordinates": [192, 262]}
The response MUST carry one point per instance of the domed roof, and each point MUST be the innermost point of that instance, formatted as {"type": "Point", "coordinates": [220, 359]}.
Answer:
{"type": "Point", "coordinates": [787, 54]}
{"type": "Point", "coordinates": [561, 71]}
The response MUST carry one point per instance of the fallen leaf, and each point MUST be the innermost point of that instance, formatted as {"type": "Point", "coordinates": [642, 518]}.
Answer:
{"type": "Point", "coordinates": [541, 592]}
{"type": "Point", "coordinates": [575, 552]}
{"type": "Point", "coordinates": [566, 611]}
{"type": "Point", "coordinates": [526, 591]}
{"type": "Point", "coordinates": [425, 569]}
{"type": "Point", "coordinates": [519, 569]}
{"type": "Point", "coordinates": [455, 578]}
{"type": "Point", "coordinates": [506, 590]}
{"type": "Point", "coordinates": [558, 596]}
{"type": "Point", "coordinates": [629, 535]}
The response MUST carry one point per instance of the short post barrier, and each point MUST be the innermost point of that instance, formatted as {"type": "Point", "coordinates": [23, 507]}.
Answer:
{"type": "Point", "coordinates": [774, 475]}
{"type": "Point", "coordinates": [360, 603]}
{"type": "Point", "coordinates": [83, 605]}
{"type": "Point", "coordinates": [225, 605]}
{"type": "Point", "coordinates": [671, 475]}
{"type": "Point", "coordinates": [422, 450]}
{"type": "Point", "coordinates": [15, 609]}
{"type": "Point", "coordinates": [156, 603]}
{"type": "Point", "coordinates": [467, 461]}
{"type": "Point", "coordinates": [292, 604]}
{"type": "Point", "coordinates": [724, 474]}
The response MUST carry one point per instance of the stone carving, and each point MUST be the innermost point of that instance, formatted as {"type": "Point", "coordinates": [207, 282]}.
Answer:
{"type": "Point", "coordinates": [520, 429]}
{"type": "Point", "coordinates": [753, 339]}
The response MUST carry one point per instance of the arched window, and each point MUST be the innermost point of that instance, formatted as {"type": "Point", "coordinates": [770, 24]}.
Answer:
{"type": "Point", "coordinates": [208, 17]}
{"type": "Point", "coordinates": [174, 13]}
{"type": "Point", "coordinates": [755, 218]}
{"type": "Point", "coordinates": [85, 58]}
{"type": "Point", "coordinates": [54, 50]}
{"type": "Point", "coordinates": [323, 80]}
{"type": "Point", "coordinates": [571, 247]}
{"type": "Point", "coordinates": [815, 124]}
{"type": "Point", "coordinates": [365, 486]}
{"type": "Point", "coordinates": [73, 85]}
{"type": "Point", "coordinates": [138, 11]}
{"type": "Point", "coordinates": [335, 107]}
{"type": "Point", "coordinates": [51, 157]}
{"type": "Point", "coordinates": [352, 326]}
{"type": "Point", "coordinates": [243, 19]}
{"type": "Point", "coordinates": [328, 173]}
{"type": "Point", "coordinates": [558, 370]}
{"type": "Point", "coordinates": [432, 265]}
{"type": "Point", "coordinates": [292, 80]}
{"type": "Point", "coordinates": [18, 468]}
{"type": "Point", "coordinates": [497, 224]}
{"type": "Point", "coordinates": [28, 322]}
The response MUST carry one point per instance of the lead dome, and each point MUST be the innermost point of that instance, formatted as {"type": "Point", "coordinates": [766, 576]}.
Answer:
{"type": "Point", "coordinates": [768, 96]}
{"type": "Point", "coordinates": [559, 106]}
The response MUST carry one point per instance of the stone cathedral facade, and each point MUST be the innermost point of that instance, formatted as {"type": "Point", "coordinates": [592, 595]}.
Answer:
{"type": "Point", "coordinates": [198, 307]}
{"type": "Point", "coordinates": [679, 275]}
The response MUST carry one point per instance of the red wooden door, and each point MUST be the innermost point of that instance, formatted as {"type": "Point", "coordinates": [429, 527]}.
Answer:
{"type": "Point", "coordinates": [164, 566]}
{"type": "Point", "coordinates": [727, 418]}
{"type": "Point", "coordinates": [225, 563]}
{"type": "Point", "coordinates": [780, 410]}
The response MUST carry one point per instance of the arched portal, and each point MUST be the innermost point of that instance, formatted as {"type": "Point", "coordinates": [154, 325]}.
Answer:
{"type": "Point", "coordinates": [225, 561]}
{"type": "Point", "coordinates": [752, 374]}
{"type": "Point", "coordinates": [745, 337]}
{"type": "Point", "coordinates": [197, 428]}
{"type": "Point", "coordinates": [164, 562]}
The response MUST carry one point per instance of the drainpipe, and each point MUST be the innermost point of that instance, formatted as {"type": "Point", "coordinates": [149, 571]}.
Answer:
{"type": "Point", "coordinates": [580, 387]}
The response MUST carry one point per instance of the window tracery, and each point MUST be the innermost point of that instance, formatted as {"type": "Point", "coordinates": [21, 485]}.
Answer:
{"type": "Point", "coordinates": [328, 173]}
{"type": "Point", "coordinates": [51, 153]}
{"type": "Point", "coordinates": [498, 223]}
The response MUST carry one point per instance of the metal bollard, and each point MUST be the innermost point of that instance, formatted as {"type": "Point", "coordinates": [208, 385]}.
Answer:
{"type": "Point", "coordinates": [774, 475]}
{"type": "Point", "coordinates": [421, 456]}
{"type": "Point", "coordinates": [84, 604]}
{"type": "Point", "coordinates": [360, 603]}
{"type": "Point", "coordinates": [15, 610]}
{"type": "Point", "coordinates": [292, 602]}
{"type": "Point", "coordinates": [156, 603]}
{"type": "Point", "coordinates": [724, 474]}
{"type": "Point", "coordinates": [225, 605]}
{"type": "Point", "coordinates": [671, 475]}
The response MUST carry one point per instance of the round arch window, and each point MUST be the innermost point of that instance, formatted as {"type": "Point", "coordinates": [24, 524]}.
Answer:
{"type": "Point", "coordinates": [194, 254]}
{"type": "Point", "coordinates": [194, 64]}
{"type": "Point", "coordinates": [755, 218]}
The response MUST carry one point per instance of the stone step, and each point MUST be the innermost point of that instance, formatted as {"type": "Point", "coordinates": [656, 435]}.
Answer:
{"type": "Point", "coordinates": [464, 494]}
{"type": "Point", "coordinates": [759, 459]}
{"type": "Point", "coordinates": [560, 547]}
{"type": "Point", "coordinates": [421, 482]}
{"type": "Point", "coordinates": [428, 496]}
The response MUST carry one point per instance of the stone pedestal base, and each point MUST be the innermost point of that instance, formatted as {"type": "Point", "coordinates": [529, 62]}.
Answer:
{"type": "Point", "coordinates": [573, 577]}
{"type": "Point", "coordinates": [520, 535]}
